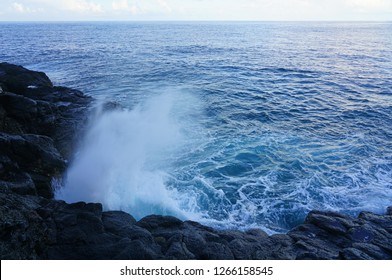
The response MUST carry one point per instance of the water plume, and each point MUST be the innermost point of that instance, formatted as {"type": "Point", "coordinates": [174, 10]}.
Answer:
{"type": "Point", "coordinates": [121, 162]}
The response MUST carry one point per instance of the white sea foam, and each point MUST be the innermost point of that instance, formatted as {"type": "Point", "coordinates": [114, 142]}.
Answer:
{"type": "Point", "coordinates": [123, 160]}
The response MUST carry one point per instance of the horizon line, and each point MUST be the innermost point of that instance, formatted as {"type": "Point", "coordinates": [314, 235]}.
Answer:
{"type": "Point", "coordinates": [179, 20]}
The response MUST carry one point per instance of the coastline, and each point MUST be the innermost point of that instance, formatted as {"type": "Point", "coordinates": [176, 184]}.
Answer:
{"type": "Point", "coordinates": [39, 125]}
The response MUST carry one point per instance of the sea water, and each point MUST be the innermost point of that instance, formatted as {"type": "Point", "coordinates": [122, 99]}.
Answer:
{"type": "Point", "coordinates": [235, 125]}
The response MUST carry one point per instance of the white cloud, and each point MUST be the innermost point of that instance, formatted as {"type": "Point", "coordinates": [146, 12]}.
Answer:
{"type": "Point", "coordinates": [369, 5]}
{"type": "Point", "coordinates": [277, 4]}
{"type": "Point", "coordinates": [120, 5]}
{"type": "Point", "coordinates": [123, 5]}
{"type": "Point", "coordinates": [166, 6]}
{"type": "Point", "coordinates": [146, 7]}
{"type": "Point", "coordinates": [22, 9]}
{"type": "Point", "coordinates": [82, 6]}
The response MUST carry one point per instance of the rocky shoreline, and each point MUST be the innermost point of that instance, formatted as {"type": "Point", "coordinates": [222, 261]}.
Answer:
{"type": "Point", "coordinates": [39, 123]}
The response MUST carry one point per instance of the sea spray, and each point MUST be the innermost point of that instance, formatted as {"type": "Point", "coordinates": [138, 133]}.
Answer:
{"type": "Point", "coordinates": [121, 162]}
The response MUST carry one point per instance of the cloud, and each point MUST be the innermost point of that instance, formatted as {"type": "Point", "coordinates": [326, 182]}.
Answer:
{"type": "Point", "coordinates": [279, 4]}
{"type": "Point", "coordinates": [156, 7]}
{"type": "Point", "coordinates": [82, 6]}
{"type": "Point", "coordinates": [166, 6]}
{"type": "Point", "coordinates": [369, 5]}
{"type": "Point", "coordinates": [79, 6]}
{"type": "Point", "coordinates": [123, 5]}
{"type": "Point", "coordinates": [120, 5]}
{"type": "Point", "coordinates": [22, 9]}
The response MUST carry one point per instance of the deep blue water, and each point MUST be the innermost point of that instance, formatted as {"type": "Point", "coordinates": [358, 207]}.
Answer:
{"type": "Point", "coordinates": [231, 124]}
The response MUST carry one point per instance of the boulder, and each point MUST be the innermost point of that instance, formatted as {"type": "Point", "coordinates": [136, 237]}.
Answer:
{"type": "Point", "coordinates": [32, 163]}
{"type": "Point", "coordinates": [18, 79]}
{"type": "Point", "coordinates": [38, 127]}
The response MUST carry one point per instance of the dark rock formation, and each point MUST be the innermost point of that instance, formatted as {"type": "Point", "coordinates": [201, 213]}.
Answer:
{"type": "Point", "coordinates": [29, 162]}
{"type": "Point", "coordinates": [17, 79]}
{"type": "Point", "coordinates": [33, 227]}
{"type": "Point", "coordinates": [38, 126]}
{"type": "Point", "coordinates": [38, 123]}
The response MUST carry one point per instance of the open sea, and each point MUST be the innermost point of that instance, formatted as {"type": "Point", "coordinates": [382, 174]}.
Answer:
{"type": "Point", "coordinates": [234, 125]}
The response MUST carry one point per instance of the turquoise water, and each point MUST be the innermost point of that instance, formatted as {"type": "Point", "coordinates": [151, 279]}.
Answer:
{"type": "Point", "coordinates": [232, 124]}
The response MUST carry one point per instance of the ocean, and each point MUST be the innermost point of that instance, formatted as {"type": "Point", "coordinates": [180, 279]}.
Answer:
{"type": "Point", "coordinates": [232, 124]}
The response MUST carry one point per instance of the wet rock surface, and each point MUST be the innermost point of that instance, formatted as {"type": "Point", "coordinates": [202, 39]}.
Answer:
{"type": "Point", "coordinates": [39, 124]}
{"type": "Point", "coordinates": [38, 128]}
{"type": "Point", "coordinates": [33, 227]}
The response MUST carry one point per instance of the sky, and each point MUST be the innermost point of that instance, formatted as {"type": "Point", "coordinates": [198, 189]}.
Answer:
{"type": "Point", "coordinates": [251, 10]}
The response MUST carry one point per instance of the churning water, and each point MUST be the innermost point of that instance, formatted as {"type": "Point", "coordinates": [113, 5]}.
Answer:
{"type": "Point", "coordinates": [232, 124]}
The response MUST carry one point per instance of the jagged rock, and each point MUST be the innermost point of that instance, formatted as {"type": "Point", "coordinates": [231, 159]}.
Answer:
{"type": "Point", "coordinates": [38, 125]}
{"type": "Point", "coordinates": [154, 222]}
{"type": "Point", "coordinates": [371, 250]}
{"type": "Point", "coordinates": [217, 251]}
{"type": "Point", "coordinates": [178, 250]}
{"type": "Point", "coordinates": [17, 79]}
{"type": "Point", "coordinates": [281, 247]}
{"type": "Point", "coordinates": [242, 249]}
{"type": "Point", "coordinates": [328, 221]}
{"type": "Point", "coordinates": [115, 220]}
{"type": "Point", "coordinates": [30, 104]}
{"type": "Point", "coordinates": [83, 231]}
{"type": "Point", "coordinates": [354, 254]}
{"type": "Point", "coordinates": [193, 239]}
{"type": "Point", "coordinates": [19, 182]}
{"type": "Point", "coordinates": [384, 221]}
{"type": "Point", "coordinates": [38, 228]}
{"type": "Point", "coordinates": [22, 230]}
{"type": "Point", "coordinates": [32, 158]}
{"type": "Point", "coordinates": [18, 106]}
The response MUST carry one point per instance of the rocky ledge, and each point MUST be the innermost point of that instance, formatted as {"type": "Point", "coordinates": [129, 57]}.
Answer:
{"type": "Point", "coordinates": [38, 127]}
